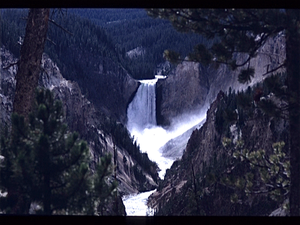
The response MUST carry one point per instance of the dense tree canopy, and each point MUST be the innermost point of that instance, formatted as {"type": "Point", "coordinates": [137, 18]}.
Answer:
{"type": "Point", "coordinates": [132, 28]}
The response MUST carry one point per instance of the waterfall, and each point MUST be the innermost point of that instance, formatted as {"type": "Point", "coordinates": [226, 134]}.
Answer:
{"type": "Point", "coordinates": [141, 115]}
{"type": "Point", "coordinates": [141, 112]}
{"type": "Point", "coordinates": [141, 123]}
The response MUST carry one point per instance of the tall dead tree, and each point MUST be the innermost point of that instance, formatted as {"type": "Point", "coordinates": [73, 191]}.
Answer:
{"type": "Point", "coordinates": [26, 83]}
{"type": "Point", "coordinates": [30, 60]}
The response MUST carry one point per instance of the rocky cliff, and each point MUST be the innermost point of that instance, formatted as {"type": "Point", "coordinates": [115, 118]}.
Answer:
{"type": "Point", "coordinates": [82, 117]}
{"type": "Point", "coordinates": [192, 86]}
{"type": "Point", "coordinates": [204, 148]}
{"type": "Point", "coordinates": [106, 83]}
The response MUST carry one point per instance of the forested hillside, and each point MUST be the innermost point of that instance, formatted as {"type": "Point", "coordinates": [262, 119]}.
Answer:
{"type": "Point", "coordinates": [83, 52]}
{"type": "Point", "coordinates": [95, 41]}
{"type": "Point", "coordinates": [133, 28]}
{"type": "Point", "coordinates": [12, 28]}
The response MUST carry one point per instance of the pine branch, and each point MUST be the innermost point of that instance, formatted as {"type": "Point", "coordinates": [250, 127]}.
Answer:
{"type": "Point", "coordinates": [56, 24]}
{"type": "Point", "coordinates": [10, 65]}
{"type": "Point", "coordinates": [48, 39]}
{"type": "Point", "coordinates": [271, 188]}
{"type": "Point", "coordinates": [254, 164]}
{"type": "Point", "coordinates": [273, 70]}
{"type": "Point", "coordinates": [52, 21]}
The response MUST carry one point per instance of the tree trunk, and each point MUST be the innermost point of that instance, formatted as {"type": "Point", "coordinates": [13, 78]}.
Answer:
{"type": "Point", "coordinates": [47, 195]}
{"type": "Point", "coordinates": [195, 190]}
{"type": "Point", "coordinates": [26, 84]}
{"type": "Point", "coordinates": [293, 79]}
{"type": "Point", "coordinates": [30, 61]}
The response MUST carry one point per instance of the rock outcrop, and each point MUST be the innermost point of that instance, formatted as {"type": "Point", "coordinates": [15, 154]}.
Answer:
{"type": "Point", "coordinates": [182, 92]}
{"type": "Point", "coordinates": [204, 145]}
{"type": "Point", "coordinates": [192, 86]}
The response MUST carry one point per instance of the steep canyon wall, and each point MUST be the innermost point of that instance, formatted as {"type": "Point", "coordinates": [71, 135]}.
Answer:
{"type": "Point", "coordinates": [192, 86]}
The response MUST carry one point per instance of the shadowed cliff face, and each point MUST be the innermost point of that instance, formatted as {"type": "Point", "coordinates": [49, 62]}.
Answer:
{"type": "Point", "coordinates": [81, 116]}
{"type": "Point", "coordinates": [192, 86]}
{"type": "Point", "coordinates": [106, 83]}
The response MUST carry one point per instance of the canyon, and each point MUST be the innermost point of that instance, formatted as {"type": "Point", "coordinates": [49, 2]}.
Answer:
{"type": "Point", "coordinates": [180, 112]}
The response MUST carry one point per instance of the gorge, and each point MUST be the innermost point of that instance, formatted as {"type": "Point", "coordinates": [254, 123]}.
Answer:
{"type": "Point", "coordinates": [191, 84]}
{"type": "Point", "coordinates": [161, 129]}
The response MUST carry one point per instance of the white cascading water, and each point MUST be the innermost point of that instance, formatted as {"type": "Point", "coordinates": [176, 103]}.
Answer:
{"type": "Point", "coordinates": [141, 111]}
{"type": "Point", "coordinates": [151, 138]}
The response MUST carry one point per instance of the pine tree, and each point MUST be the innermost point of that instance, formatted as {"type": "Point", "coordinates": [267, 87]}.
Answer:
{"type": "Point", "coordinates": [50, 165]}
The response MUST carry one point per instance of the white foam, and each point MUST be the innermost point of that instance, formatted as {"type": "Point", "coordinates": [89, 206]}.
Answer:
{"type": "Point", "coordinates": [136, 205]}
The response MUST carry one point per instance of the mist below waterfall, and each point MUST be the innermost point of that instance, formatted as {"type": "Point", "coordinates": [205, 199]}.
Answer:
{"type": "Point", "coordinates": [151, 138]}
{"type": "Point", "coordinates": [163, 145]}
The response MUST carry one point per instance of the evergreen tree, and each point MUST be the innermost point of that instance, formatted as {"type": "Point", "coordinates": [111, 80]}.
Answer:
{"type": "Point", "coordinates": [265, 174]}
{"type": "Point", "coordinates": [245, 31]}
{"type": "Point", "coordinates": [49, 165]}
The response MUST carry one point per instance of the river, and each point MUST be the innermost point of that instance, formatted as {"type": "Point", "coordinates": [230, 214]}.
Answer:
{"type": "Point", "coordinates": [151, 138]}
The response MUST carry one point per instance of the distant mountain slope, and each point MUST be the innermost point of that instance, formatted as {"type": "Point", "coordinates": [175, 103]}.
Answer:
{"type": "Point", "coordinates": [86, 56]}
{"type": "Point", "coordinates": [132, 28]}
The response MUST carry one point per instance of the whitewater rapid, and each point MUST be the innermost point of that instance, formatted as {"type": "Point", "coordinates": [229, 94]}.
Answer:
{"type": "Point", "coordinates": [151, 138]}
{"type": "Point", "coordinates": [136, 204]}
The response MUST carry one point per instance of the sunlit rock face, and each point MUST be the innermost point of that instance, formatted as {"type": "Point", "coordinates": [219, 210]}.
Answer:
{"type": "Point", "coordinates": [192, 86]}
{"type": "Point", "coordinates": [184, 90]}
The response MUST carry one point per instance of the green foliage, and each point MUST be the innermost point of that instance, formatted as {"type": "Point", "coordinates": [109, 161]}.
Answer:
{"type": "Point", "coordinates": [200, 54]}
{"type": "Point", "coordinates": [104, 188]}
{"type": "Point", "coordinates": [122, 138]}
{"type": "Point", "coordinates": [171, 56]}
{"type": "Point", "coordinates": [268, 174]}
{"type": "Point", "coordinates": [50, 164]}
{"type": "Point", "coordinates": [270, 108]}
{"type": "Point", "coordinates": [226, 113]}
{"type": "Point", "coordinates": [246, 75]}
{"type": "Point", "coordinates": [276, 84]}
{"type": "Point", "coordinates": [237, 108]}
